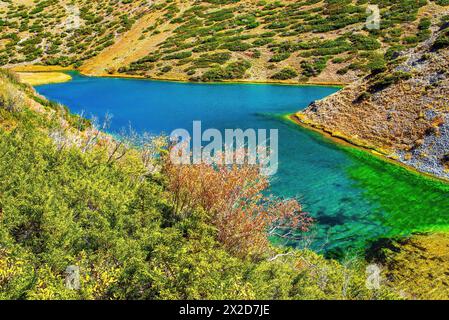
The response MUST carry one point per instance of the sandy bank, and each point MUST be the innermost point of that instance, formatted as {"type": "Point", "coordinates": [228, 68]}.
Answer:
{"type": "Point", "coordinates": [39, 78]}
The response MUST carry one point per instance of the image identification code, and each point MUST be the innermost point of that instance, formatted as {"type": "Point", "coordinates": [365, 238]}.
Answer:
{"type": "Point", "coordinates": [227, 309]}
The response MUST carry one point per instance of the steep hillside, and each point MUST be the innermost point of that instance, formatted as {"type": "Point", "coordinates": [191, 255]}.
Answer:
{"type": "Point", "coordinates": [402, 112]}
{"type": "Point", "coordinates": [213, 40]}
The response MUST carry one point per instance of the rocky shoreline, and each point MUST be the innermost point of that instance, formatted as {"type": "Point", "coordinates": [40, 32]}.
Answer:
{"type": "Point", "coordinates": [407, 121]}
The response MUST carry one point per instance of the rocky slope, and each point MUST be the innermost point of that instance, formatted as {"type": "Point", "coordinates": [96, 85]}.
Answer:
{"type": "Point", "coordinates": [402, 112]}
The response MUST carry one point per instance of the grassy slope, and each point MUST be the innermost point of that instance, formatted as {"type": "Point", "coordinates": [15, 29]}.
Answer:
{"type": "Point", "coordinates": [129, 48]}
{"type": "Point", "coordinates": [417, 266]}
{"type": "Point", "coordinates": [42, 32]}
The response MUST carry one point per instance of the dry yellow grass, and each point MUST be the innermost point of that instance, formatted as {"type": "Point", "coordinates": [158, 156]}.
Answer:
{"type": "Point", "coordinates": [39, 68]}
{"type": "Point", "coordinates": [38, 78]}
{"type": "Point", "coordinates": [25, 2]}
{"type": "Point", "coordinates": [129, 47]}
{"type": "Point", "coordinates": [21, 2]}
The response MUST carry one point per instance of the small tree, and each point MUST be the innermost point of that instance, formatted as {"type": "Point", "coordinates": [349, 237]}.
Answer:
{"type": "Point", "coordinates": [233, 196]}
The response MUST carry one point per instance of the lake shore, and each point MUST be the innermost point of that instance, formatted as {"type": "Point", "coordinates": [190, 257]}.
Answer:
{"type": "Point", "coordinates": [39, 75]}
{"type": "Point", "coordinates": [359, 145]}
{"type": "Point", "coordinates": [53, 69]}
{"type": "Point", "coordinates": [239, 81]}
{"type": "Point", "coordinates": [54, 74]}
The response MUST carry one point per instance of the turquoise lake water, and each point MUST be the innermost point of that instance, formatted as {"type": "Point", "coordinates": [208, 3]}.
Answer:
{"type": "Point", "coordinates": [355, 198]}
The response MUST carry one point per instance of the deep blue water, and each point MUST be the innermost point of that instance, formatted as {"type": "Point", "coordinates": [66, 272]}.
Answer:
{"type": "Point", "coordinates": [310, 168]}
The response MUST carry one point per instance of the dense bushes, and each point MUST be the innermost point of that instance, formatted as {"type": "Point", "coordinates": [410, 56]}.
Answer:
{"type": "Point", "coordinates": [49, 33]}
{"type": "Point", "coordinates": [361, 42]}
{"type": "Point", "coordinates": [279, 57]}
{"type": "Point", "coordinates": [206, 60]}
{"type": "Point", "coordinates": [377, 64]}
{"type": "Point", "coordinates": [236, 46]}
{"type": "Point", "coordinates": [234, 70]}
{"type": "Point", "coordinates": [178, 55]}
{"type": "Point", "coordinates": [314, 67]}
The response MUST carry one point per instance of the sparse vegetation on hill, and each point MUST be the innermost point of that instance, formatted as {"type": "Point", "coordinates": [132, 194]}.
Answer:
{"type": "Point", "coordinates": [62, 33]}
{"type": "Point", "coordinates": [139, 39]}
{"type": "Point", "coordinates": [300, 35]}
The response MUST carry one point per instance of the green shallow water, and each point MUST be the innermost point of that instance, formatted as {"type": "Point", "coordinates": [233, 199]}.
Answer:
{"type": "Point", "coordinates": [382, 200]}
{"type": "Point", "coordinates": [354, 197]}
{"type": "Point", "coordinates": [410, 202]}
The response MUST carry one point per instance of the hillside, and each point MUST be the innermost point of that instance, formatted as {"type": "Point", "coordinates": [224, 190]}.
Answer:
{"type": "Point", "coordinates": [402, 112]}
{"type": "Point", "coordinates": [213, 40]}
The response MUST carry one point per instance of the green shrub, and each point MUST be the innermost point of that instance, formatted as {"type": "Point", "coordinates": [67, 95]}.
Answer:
{"type": "Point", "coordinates": [383, 81]}
{"type": "Point", "coordinates": [178, 55]}
{"type": "Point", "coordinates": [166, 69]}
{"type": "Point", "coordinates": [206, 60]}
{"type": "Point", "coordinates": [442, 2]}
{"type": "Point", "coordinates": [279, 57]}
{"type": "Point", "coordinates": [285, 74]}
{"type": "Point", "coordinates": [314, 67]}
{"type": "Point", "coordinates": [424, 24]}
{"type": "Point", "coordinates": [234, 70]}
{"type": "Point", "coordinates": [442, 41]}
{"type": "Point", "coordinates": [262, 42]}
{"type": "Point", "coordinates": [362, 42]}
{"type": "Point", "coordinates": [236, 46]}
{"type": "Point", "coordinates": [377, 64]}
